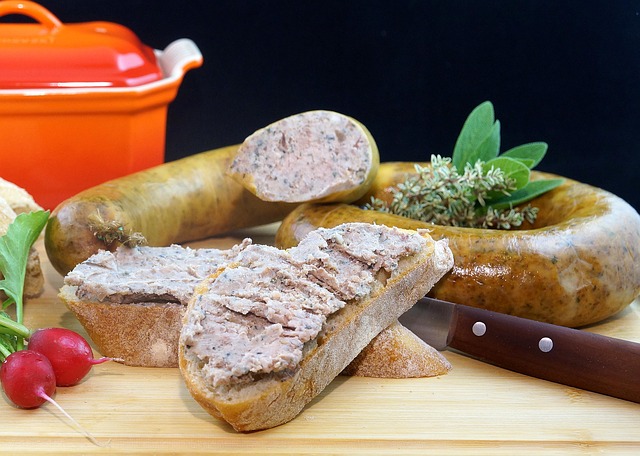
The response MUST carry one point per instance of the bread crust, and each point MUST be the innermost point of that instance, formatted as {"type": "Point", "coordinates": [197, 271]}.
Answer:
{"type": "Point", "coordinates": [34, 278]}
{"type": "Point", "coordinates": [140, 334]}
{"type": "Point", "coordinates": [276, 399]}
{"type": "Point", "coordinates": [398, 353]}
{"type": "Point", "coordinates": [17, 198]}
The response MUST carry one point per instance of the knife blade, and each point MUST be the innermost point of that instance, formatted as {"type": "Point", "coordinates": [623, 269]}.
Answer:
{"type": "Point", "coordinates": [571, 357]}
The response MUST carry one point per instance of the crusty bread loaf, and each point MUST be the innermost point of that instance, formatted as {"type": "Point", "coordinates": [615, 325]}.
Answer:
{"type": "Point", "coordinates": [14, 200]}
{"type": "Point", "coordinates": [255, 393]}
{"type": "Point", "coordinates": [17, 198]}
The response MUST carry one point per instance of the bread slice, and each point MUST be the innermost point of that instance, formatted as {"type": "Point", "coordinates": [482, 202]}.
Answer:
{"type": "Point", "coordinates": [131, 303]}
{"type": "Point", "coordinates": [242, 364]}
{"type": "Point", "coordinates": [398, 353]}
{"type": "Point", "coordinates": [143, 334]}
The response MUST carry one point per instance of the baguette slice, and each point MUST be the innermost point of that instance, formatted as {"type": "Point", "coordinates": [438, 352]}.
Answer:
{"type": "Point", "coordinates": [131, 303]}
{"type": "Point", "coordinates": [235, 375]}
{"type": "Point", "coordinates": [142, 334]}
{"type": "Point", "coordinates": [398, 353]}
{"type": "Point", "coordinates": [146, 334]}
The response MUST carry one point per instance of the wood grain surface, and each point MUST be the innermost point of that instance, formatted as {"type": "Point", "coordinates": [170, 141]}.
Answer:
{"type": "Point", "coordinates": [475, 409]}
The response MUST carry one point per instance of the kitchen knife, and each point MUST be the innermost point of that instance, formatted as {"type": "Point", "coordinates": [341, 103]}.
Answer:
{"type": "Point", "coordinates": [563, 355]}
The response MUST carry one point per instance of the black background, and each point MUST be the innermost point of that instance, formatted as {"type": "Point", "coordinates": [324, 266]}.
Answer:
{"type": "Point", "coordinates": [564, 72]}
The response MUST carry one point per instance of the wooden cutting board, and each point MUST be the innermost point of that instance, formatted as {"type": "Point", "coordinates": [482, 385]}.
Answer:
{"type": "Point", "coordinates": [475, 409]}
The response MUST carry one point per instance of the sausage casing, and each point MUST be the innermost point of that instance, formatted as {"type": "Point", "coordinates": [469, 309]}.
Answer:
{"type": "Point", "coordinates": [183, 200]}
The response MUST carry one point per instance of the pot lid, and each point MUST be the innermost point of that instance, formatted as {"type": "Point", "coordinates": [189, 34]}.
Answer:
{"type": "Point", "coordinates": [47, 53]}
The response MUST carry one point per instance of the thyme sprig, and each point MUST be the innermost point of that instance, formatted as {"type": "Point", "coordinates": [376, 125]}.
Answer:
{"type": "Point", "coordinates": [475, 188]}
{"type": "Point", "coordinates": [439, 194]}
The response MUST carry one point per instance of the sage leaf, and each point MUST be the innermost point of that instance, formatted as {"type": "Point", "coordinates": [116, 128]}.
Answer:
{"type": "Point", "coordinates": [526, 193]}
{"type": "Point", "coordinates": [489, 148]}
{"type": "Point", "coordinates": [525, 161]}
{"type": "Point", "coordinates": [476, 129]}
{"type": "Point", "coordinates": [511, 168]}
{"type": "Point", "coordinates": [533, 152]}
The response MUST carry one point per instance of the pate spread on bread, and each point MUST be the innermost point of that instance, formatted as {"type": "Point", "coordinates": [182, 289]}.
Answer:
{"type": "Point", "coordinates": [269, 331]}
{"type": "Point", "coordinates": [131, 302]}
{"type": "Point", "coordinates": [147, 274]}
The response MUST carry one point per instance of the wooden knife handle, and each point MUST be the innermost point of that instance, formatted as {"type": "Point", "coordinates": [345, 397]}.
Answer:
{"type": "Point", "coordinates": [568, 356]}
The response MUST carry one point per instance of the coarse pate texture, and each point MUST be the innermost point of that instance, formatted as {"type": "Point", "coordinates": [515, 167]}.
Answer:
{"type": "Point", "coordinates": [242, 365]}
{"type": "Point", "coordinates": [147, 274]}
{"type": "Point", "coordinates": [306, 157]}
{"type": "Point", "coordinates": [131, 303]}
{"type": "Point", "coordinates": [258, 313]}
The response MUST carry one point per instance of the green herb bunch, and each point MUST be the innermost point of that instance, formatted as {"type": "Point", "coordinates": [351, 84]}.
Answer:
{"type": "Point", "coordinates": [477, 187]}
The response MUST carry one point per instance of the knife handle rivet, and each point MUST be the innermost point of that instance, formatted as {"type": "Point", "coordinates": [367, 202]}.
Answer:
{"type": "Point", "coordinates": [545, 345]}
{"type": "Point", "coordinates": [479, 328]}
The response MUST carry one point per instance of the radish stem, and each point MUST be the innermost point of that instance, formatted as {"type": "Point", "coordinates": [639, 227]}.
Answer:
{"type": "Point", "coordinates": [77, 425]}
{"type": "Point", "coordinates": [13, 328]}
{"type": "Point", "coordinates": [4, 352]}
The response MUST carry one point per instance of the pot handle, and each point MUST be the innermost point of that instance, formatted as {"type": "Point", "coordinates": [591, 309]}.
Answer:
{"type": "Point", "coordinates": [179, 57]}
{"type": "Point", "coordinates": [31, 9]}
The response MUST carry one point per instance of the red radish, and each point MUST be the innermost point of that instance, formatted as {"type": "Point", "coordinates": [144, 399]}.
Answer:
{"type": "Point", "coordinates": [28, 379]}
{"type": "Point", "coordinates": [69, 353]}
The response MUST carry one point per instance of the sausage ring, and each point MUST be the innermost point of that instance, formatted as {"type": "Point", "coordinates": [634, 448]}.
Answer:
{"type": "Point", "coordinates": [577, 265]}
